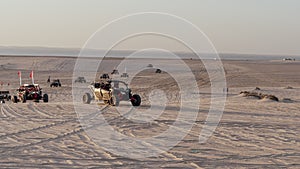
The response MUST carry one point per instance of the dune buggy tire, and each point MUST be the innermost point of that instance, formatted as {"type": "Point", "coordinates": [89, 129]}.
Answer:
{"type": "Point", "coordinates": [136, 100]}
{"type": "Point", "coordinates": [87, 98]}
{"type": "Point", "coordinates": [45, 98]}
{"type": "Point", "coordinates": [15, 99]}
{"type": "Point", "coordinates": [24, 99]}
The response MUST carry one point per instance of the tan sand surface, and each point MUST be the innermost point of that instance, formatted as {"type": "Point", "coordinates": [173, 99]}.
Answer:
{"type": "Point", "coordinates": [251, 134]}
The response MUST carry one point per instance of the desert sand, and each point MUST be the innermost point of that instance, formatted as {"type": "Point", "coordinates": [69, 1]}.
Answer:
{"type": "Point", "coordinates": [251, 134]}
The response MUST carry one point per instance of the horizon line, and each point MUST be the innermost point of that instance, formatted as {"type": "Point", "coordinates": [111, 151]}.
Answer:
{"type": "Point", "coordinates": [73, 49]}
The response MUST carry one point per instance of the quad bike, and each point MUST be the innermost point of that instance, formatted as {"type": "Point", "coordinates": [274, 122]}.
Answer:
{"type": "Point", "coordinates": [111, 95]}
{"type": "Point", "coordinates": [4, 95]}
{"type": "Point", "coordinates": [80, 80]}
{"type": "Point", "coordinates": [125, 75]}
{"type": "Point", "coordinates": [55, 83]}
{"type": "Point", "coordinates": [104, 76]}
{"type": "Point", "coordinates": [29, 92]}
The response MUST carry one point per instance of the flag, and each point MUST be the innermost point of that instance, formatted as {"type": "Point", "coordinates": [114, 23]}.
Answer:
{"type": "Point", "coordinates": [20, 76]}
{"type": "Point", "coordinates": [31, 75]}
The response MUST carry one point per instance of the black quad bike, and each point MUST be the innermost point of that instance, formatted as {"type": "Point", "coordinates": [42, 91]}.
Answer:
{"type": "Point", "coordinates": [4, 96]}
{"type": "Point", "coordinates": [55, 83]}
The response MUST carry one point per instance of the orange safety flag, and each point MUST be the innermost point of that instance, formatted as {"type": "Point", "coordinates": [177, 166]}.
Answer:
{"type": "Point", "coordinates": [19, 73]}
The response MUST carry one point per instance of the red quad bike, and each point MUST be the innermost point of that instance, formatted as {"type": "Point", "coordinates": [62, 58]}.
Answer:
{"type": "Point", "coordinates": [29, 92]}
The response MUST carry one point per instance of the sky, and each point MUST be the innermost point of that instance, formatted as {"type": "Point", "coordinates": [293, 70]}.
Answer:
{"type": "Point", "coordinates": [233, 26]}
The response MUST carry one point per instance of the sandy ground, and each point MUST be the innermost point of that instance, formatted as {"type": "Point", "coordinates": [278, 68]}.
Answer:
{"type": "Point", "coordinates": [251, 134]}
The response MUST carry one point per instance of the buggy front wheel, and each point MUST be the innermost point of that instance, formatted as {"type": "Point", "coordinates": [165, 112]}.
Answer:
{"type": "Point", "coordinates": [15, 99]}
{"type": "Point", "coordinates": [45, 98]}
{"type": "Point", "coordinates": [24, 98]}
{"type": "Point", "coordinates": [136, 100]}
{"type": "Point", "coordinates": [87, 98]}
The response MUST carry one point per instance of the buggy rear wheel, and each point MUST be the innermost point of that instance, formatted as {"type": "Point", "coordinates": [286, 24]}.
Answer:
{"type": "Point", "coordinates": [15, 99]}
{"type": "Point", "coordinates": [87, 98]}
{"type": "Point", "coordinates": [24, 98]}
{"type": "Point", "coordinates": [114, 101]}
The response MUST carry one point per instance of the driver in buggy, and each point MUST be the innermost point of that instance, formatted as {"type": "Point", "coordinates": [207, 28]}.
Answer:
{"type": "Point", "coordinates": [105, 90]}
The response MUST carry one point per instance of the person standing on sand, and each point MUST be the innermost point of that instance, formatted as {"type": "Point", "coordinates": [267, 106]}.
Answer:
{"type": "Point", "coordinates": [48, 81]}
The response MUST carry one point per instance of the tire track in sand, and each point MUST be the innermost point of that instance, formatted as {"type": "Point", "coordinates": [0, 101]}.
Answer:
{"type": "Point", "coordinates": [12, 150]}
{"type": "Point", "coordinates": [47, 126]}
{"type": "Point", "coordinates": [11, 112]}
{"type": "Point", "coordinates": [33, 107]}
{"type": "Point", "coordinates": [3, 114]}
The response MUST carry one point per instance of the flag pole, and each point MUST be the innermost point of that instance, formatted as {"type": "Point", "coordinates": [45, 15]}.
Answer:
{"type": "Point", "coordinates": [31, 73]}
{"type": "Point", "coordinates": [31, 76]}
{"type": "Point", "coordinates": [20, 77]}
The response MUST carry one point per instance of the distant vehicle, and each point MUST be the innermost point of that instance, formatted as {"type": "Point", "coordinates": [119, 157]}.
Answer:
{"type": "Point", "coordinates": [55, 83]}
{"type": "Point", "coordinates": [104, 76]}
{"type": "Point", "coordinates": [4, 95]}
{"type": "Point", "coordinates": [115, 72]}
{"type": "Point", "coordinates": [125, 75]}
{"type": "Point", "coordinates": [111, 95]}
{"type": "Point", "coordinates": [150, 65]}
{"type": "Point", "coordinates": [288, 59]}
{"type": "Point", "coordinates": [29, 92]}
{"type": "Point", "coordinates": [158, 71]}
{"type": "Point", "coordinates": [80, 80]}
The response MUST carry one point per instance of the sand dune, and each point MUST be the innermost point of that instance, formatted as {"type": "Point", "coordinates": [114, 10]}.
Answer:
{"type": "Point", "coordinates": [251, 134]}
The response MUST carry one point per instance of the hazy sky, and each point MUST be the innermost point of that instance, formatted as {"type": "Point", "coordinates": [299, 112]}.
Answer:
{"type": "Point", "coordinates": [237, 26]}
